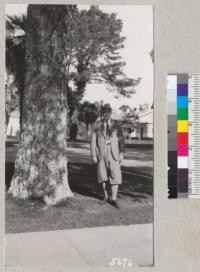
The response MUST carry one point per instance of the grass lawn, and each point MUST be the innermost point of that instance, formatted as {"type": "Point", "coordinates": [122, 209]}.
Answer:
{"type": "Point", "coordinates": [86, 209]}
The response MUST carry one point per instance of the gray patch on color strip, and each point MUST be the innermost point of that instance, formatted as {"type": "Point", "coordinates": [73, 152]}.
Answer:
{"type": "Point", "coordinates": [182, 78]}
{"type": "Point", "coordinates": [172, 133]}
{"type": "Point", "coordinates": [172, 145]}
{"type": "Point", "coordinates": [172, 120]}
{"type": "Point", "coordinates": [171, 96]}
{"type": "Point", "coordinates": [172, 108]}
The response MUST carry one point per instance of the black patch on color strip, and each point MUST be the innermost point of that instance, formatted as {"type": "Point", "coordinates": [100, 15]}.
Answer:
{"type": "Point", "coordinates": [172, 192]}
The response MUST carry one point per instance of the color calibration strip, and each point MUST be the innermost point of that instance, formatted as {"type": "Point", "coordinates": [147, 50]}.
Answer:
{"type": "Point", "coordinates": [172, 137]}
{"type": "Point", "coordinates": [183, 96]}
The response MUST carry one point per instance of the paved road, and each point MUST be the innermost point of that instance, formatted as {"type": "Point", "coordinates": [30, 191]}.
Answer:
{"type": "Point", "coordinates": [88, 247]}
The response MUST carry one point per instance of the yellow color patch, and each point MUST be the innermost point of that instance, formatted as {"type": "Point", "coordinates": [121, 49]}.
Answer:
{"type": "Point", "coordinates": [182, 126]}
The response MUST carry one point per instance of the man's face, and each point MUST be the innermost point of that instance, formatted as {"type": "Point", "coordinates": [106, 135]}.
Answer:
{"type": "Point", "coordinates": [106, 114]}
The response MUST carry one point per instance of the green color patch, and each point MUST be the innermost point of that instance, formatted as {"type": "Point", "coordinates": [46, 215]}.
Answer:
{"type": "Point", "coordinates": [182, 114]}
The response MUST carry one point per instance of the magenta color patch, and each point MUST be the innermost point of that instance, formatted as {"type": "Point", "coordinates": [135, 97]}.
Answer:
{"type": "Point", "coordinates": [182, 150]}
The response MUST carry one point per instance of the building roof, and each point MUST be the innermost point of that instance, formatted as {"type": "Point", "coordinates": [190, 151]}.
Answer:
{"type": "Point", "coordinates": [146, 117]}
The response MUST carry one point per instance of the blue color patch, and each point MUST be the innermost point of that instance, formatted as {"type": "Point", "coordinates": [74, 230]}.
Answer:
{"type": "Point", "coordinates": [182, 101]}
{"type": "Point", "coordinates": [182, 89]}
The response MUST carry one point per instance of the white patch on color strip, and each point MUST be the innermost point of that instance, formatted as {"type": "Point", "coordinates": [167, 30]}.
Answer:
{"type": "Point", "coordinates": [182, 162]}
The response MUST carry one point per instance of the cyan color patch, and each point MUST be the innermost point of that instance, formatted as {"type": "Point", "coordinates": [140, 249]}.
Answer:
{"type": "Point", "coordinates": [182, 101]}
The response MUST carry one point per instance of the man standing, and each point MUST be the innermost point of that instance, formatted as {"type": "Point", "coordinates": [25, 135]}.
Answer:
{"type": "Point", "coordinates": [107, 147]}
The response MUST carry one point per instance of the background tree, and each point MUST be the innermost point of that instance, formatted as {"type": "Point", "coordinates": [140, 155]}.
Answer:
{"type": "Point", "coordinates": [93, 44]}
{"type": "Point", "coordinates": [73, 131]}
{"type": "Point", "coordinates": [88, 113]}
{"type": "Point", "coordinates": [152, 55]}
{"type": "Point", "coordinates": [141, 108]}
{"type": "Point", "coordinates": [15, 54]}
{"type": "Point", "coordinates": [98, 53]}
{"type": "Point", "coordinates": [130, 118]}
{"type": "Point", "coordinates": [145, 107]}
{"type": "Point", "coordinates": [126, 109]}
{"type": "Point", "coordinates": [41, 162]}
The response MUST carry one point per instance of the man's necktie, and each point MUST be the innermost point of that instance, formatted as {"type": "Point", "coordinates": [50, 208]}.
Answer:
{"type": "Point", "coordinates": [107, 130]}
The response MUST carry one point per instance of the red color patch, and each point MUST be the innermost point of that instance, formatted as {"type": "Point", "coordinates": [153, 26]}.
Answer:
{"type": "Point", "coordinates": [182, 138]}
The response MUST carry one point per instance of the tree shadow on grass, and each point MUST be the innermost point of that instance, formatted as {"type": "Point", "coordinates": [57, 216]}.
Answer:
{"type": "Point", "coordinates": [83, 180]}
{"type": "Point", "coordinates": [9, 172]}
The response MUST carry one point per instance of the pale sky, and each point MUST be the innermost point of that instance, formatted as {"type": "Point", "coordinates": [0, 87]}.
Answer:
{"type": "Point", "coordinates": [138, 30]}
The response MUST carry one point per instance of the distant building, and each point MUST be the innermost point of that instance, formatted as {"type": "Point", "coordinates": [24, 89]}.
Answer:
{"type": "Point", "coordinates": [143, 128]}
{"type": "Point", "coordinates": [13, 124]}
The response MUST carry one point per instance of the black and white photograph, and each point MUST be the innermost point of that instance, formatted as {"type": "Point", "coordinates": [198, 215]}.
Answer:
{"type": "Point", "coordinates": [79, 135]}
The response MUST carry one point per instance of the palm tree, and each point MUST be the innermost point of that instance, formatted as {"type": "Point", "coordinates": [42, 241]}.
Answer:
{"type": "Point", "coordinates": [15, 54]}
{"type": "Point", "coordinates": [41, 162]}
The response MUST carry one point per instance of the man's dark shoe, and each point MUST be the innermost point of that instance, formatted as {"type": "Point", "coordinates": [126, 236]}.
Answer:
{"type": "Point", "coordinates": [114, 203]}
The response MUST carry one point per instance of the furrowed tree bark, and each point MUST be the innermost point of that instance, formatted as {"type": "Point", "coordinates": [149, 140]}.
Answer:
{"type": "Point", "coordinates": [41, 162]}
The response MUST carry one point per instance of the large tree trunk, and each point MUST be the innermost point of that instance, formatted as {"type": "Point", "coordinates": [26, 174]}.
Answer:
{"type": "Point", "coordinates": [41, 162]}
{"type": "Point", "coordinates": [21, 98]}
